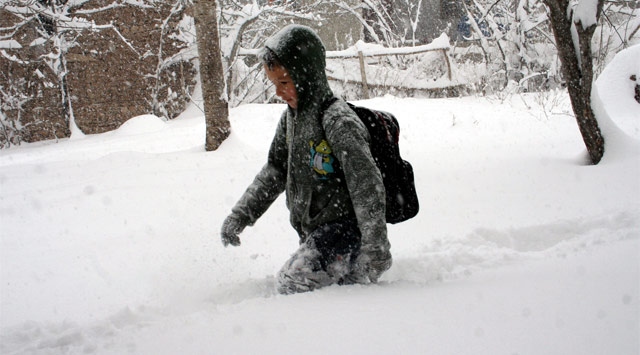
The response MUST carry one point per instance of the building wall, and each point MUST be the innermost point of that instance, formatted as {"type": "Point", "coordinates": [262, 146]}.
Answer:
{"type": "Point", "coordinates": [107, 80]}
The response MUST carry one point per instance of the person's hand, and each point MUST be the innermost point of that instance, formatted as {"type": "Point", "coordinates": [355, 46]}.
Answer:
{"type": "Point", "coordinates": [372, 262]}
{"type": "Point", "coordinates": [231, 229]}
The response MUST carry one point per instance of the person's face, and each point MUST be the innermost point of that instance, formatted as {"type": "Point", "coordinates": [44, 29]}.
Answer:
{"type": "Point", "coordinates": [285, 88]}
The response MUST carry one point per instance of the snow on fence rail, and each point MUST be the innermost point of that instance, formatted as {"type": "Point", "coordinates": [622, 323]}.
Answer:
{"type": "Point", "coordinates": [363, 50]}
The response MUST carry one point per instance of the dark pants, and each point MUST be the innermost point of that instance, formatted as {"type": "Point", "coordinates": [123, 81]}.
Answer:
{"type": "Point", "coordinates": [326, 257]}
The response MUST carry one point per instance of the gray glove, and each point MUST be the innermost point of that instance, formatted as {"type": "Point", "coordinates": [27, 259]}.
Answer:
{"type": "Point", "coordinates": [372, 262]}
{"type": "Point", "coordinates": [231, 229]}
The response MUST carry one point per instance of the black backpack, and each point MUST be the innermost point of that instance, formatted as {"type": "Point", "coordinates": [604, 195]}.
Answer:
{"type": "Point", "coordinates": [397, 173]}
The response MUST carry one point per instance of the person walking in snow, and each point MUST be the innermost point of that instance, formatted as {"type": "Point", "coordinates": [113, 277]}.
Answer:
{"type": "Point", "coordinates": [321, 160]}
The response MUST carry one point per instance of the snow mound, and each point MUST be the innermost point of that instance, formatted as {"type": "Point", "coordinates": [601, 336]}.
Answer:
{"type": "Point", "coordinates": [615, 89]}
{"type": "Point", "coordinates": [141, 125]}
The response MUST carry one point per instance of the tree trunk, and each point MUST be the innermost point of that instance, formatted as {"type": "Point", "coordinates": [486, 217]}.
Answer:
{"type": "Point", "coordinates": [577, 67]}
{"type": "Point", "coordinates": [216, 107]}
{"type": "Point", "coordinates": [67, 105]}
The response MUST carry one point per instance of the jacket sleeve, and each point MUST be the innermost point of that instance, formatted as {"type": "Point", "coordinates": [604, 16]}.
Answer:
{"type": "Point", "coordinates": [269, 183]}
{"type": "Point", "coordinates": [349, 139]}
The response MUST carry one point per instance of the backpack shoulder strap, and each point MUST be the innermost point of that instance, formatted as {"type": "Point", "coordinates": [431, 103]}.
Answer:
{"type": "Point", "coordinates": [325, 105]}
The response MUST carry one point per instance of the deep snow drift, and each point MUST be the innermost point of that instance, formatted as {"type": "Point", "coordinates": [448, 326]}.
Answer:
{"type": "Point", "coordinates": [109, 243]}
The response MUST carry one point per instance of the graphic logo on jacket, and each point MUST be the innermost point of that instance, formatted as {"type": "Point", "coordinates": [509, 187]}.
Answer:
{"type": "Point", "coordinates": [321, 159]}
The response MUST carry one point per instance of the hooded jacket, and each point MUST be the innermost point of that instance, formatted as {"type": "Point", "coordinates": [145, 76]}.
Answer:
{"type": "Point", "coordinates": [322, 161]}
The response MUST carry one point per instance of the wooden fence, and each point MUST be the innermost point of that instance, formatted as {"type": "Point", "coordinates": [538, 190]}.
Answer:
{"type": "Point", "coordinates": [362, 51]}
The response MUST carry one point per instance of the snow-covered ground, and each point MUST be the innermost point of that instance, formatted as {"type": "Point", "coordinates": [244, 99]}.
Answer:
{"type": "Point", "coordinates": [109, 244]}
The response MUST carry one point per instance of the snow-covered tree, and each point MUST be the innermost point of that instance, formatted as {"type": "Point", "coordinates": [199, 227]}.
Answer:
{"type": "Point", "coordinates": [412, 11]}
{"type": "Point", "coordinates": [379, 20]}
{"type": "Point", "coordinates": [171, 53]}
{"type": "Point", "coordinates": [619, 28]}
{"type": "Point", "coordinates": [515, 41]}
{"type": "Point", "coordinates": [574, 24]}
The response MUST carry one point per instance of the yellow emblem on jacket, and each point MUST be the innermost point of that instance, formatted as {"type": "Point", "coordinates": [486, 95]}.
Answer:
{"type": "Point", "coordinates": [321, 158]}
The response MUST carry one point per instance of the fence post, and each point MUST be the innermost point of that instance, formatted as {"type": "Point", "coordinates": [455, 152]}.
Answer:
{"type": "Point", "coordinates": [446, 59]}
{"type": "Point", "coordinates": [363, 74]}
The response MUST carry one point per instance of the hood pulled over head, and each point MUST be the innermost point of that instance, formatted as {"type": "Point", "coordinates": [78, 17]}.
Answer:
{"type": "Point", "coordinates": [301, 52]}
